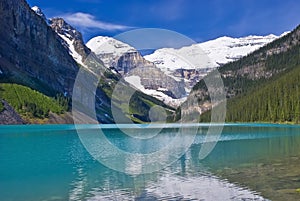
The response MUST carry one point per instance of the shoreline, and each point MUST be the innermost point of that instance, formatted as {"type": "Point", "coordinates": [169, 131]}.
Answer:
{"type": "Point", "coordinates": [145, 125]}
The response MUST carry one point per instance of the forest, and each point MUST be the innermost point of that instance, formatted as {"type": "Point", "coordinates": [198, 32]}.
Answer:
{"type": "Point", "coordinates": [30, 103]}
{"type": "Point", "coordinates": [275, 101]}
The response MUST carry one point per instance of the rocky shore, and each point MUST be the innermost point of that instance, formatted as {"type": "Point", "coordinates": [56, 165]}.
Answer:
{"type": "Point", "coordinates": [9, 116]}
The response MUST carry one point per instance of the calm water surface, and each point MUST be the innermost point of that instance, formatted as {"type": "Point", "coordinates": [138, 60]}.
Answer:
{"type": "Point", "coordinates": [250, 162]}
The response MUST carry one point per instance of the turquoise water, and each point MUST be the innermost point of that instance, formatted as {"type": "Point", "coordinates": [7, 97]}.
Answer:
{"type": "Point", "coordinates": [250, 161]}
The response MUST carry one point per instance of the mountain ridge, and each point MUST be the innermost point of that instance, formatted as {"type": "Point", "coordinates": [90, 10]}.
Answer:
{"type": "Point", "coordinates": [219, 50]}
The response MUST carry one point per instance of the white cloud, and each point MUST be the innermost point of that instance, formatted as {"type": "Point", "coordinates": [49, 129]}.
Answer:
{"type": "Point", "coordinates": [85, 20]}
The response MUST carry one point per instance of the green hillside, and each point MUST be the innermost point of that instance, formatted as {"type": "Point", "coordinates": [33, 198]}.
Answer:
{"type": "Point", "coordinates": [276, 101]}
{"type": "Point", "coordinates": [31, 104]}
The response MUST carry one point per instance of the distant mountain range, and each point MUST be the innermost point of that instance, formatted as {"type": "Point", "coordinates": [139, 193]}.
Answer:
{"type": "Point", "coordinates": [219, 51]}
{"type": "Point", "coordinates": [168, 61]}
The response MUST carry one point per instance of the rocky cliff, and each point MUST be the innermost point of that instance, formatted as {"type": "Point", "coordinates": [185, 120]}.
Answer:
{"type": "Point", "coordinates": [9, 116]}
{"type": "Point", "coordinates": [73, 42]}
{"type": "Point", "coordinates": [33, 54]}
{"type": "Point", "coordinates": [131, 60]}
{"type": "Point", "coordinates": [133, 64]}
{"type": "Point", "coordinates": [71, 39]}
{"type": "Point", "coordinates": [30, 51]}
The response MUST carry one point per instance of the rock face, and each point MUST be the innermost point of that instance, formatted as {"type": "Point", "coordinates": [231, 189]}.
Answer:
{"type": "Point", "coordinates": [128, 62]}
{"type": "Point", "coordinates": [71, 39]}
{"type": "Point", "coordinates": [31, 52]}
{"type": "Point", "coordinates": [39, 12]}
{"type": "Point", "coordinates": [131, 60]}
{"type": "Point", "coordinates": [133, 64]}
{"type": "Point", "coordinates": [153, 78]}
{"type": "Point", "coordinates": [9, 115]}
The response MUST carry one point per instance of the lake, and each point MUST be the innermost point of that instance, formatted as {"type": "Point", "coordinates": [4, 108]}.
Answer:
{"type": "Point", "coordinates": [249, 162]}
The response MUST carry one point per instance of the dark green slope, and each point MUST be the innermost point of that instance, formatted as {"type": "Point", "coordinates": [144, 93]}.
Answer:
{"type": "Point", "coordinates": [276, 101]}
{"type": "Point", "coordinates": [30, 104]}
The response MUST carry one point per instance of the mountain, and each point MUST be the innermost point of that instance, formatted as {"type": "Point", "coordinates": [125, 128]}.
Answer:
{"type": "Point", "coordinates": [262, 86]}
{"type": "Point", "coordinates": [116, 63]}
{"type": "Point", "coordinates": [108, 49]}
{"type": "Point", "coordinates": [71, 39]}
{"type": "Point", "coordinates": [219, 51]}
{"type": "Point", "coordinates": [31, 53]}
{"type": "Point", "coordinates": [46, 55]}
{"type": "Point", "coordinates": [137, 71]}
{"type": "Point", "coordinates": [205, 56]}
{"type": "Point", "coordinates": [173, 64]}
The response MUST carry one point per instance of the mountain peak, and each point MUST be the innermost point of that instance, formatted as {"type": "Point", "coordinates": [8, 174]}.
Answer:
{"type": "Point", "coordinates": [109, 49]}
{"type": "Point", "coordinates": [105, 44]}
{"type": "Point", "coordinates": [60, 26]}
{"type": "Point", "coordinates": [39, 12]}
{"type": "Point", "coordinates": [71, 39]}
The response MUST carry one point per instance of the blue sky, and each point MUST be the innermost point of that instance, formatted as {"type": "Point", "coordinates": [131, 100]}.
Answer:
{"type": "Point", "coordinates": [197, 19]}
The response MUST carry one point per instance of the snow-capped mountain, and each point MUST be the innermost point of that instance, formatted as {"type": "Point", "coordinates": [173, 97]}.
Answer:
{"type": "Point", "coordinates": [71, 39]}
{"type": "Point", "coordinates": [226, 49]}
{"type": "Point", "coordinates": [108, 49]}
{"type": "Point", "coordinates": [217, 52]}
{"type": "Point", "coordinates": [192, 63]}
{"type": "Point", "coordinates": [186, 65]}
{"type": "Point", "coordinates": [139, 72]}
